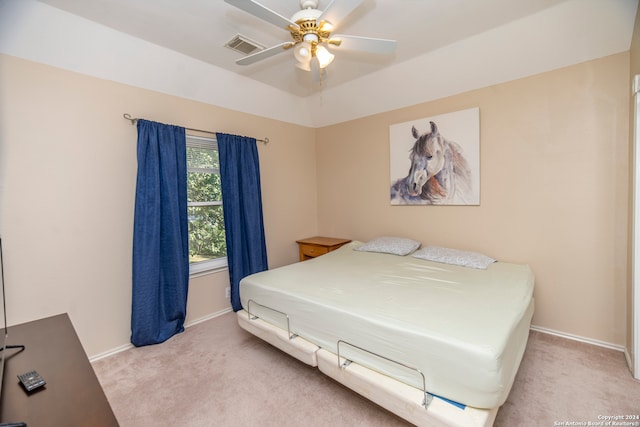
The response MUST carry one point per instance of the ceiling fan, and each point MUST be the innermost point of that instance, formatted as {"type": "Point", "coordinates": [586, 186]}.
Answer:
{"type": "Point", "coordinates": [310, 31]}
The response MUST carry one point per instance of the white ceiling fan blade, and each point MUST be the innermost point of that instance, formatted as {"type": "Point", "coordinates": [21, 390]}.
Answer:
{"type": "Point", "coordinates": [262, 12]}
{"type": "Point", "coordinates": [338, 10]}
{"type": "Point", "coordinates": [263, 54]}
{"type": "Point", "coordinates": [365, 44]}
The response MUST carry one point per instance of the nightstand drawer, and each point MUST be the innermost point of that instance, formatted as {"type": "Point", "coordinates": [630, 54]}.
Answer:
{"type": "Point", "coordinates": [313, 251]}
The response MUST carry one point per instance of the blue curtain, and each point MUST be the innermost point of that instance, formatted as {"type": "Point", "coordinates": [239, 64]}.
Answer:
{"type": "Point", "coordinates": [160, 235]}
{"type": "Point", "coordinates": [242, 207]}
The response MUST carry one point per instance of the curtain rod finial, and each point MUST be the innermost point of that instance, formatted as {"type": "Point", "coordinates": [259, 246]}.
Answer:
{"type": "Point", "coordinates": [131, 119]}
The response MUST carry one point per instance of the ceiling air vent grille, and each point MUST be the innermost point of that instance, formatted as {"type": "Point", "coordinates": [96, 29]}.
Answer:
{"type": "Point", "coordinates": [243, 45]}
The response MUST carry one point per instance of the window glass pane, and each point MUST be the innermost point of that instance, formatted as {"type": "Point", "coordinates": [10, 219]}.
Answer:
{"type": "Point", "coordinates": [203, 187]}
{"type": "Point", "coordinates": [207, 247]}
{"type": "Point", "coordinates": [203, 157]}
{"type": "Point", "coordinates": [206, 233]}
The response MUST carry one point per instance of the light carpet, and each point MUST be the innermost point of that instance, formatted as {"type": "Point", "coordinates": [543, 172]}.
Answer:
{"type": "Point", "coordinates": [217, 374]}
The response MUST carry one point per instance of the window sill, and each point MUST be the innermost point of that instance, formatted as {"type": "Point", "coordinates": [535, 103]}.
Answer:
{"type": "Point", "coordinates": [208, 267]}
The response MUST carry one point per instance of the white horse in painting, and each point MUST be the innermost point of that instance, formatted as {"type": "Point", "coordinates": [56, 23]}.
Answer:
{"type": "Point", "coordinates": [439, 173]}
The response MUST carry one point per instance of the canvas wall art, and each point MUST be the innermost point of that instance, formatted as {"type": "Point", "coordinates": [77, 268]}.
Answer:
{"type": "Point", "coordinates": [436, 160]}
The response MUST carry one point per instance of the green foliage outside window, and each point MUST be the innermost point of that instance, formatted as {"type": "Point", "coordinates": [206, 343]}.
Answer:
{"type": "Point", "coordinates": [204, 199]}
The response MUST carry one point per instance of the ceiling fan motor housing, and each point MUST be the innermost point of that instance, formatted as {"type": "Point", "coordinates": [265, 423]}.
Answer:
{"type": "Point", "coordinates": [308, 26]}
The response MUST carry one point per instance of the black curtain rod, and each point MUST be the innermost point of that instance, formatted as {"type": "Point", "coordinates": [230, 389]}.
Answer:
{"type": "Point", "coordinates": [134, 120]}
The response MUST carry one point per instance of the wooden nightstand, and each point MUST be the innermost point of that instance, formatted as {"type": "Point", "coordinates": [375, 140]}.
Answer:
{"type": "Point", "coordinates": [316, 246]}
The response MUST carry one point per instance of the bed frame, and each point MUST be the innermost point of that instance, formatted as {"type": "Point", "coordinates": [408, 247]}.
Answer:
{"type": "Point", "coordinates": [414, 405]}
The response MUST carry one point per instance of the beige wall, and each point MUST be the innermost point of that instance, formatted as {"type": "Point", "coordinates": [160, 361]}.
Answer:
{"type": "Point", "coordinates": [554, 189]}
{"type": "Point", "coordinates": [67, 182]}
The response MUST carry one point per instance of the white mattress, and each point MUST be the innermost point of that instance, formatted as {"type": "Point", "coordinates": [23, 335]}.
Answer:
{"type": "Point", "coordinates": [465, 329]}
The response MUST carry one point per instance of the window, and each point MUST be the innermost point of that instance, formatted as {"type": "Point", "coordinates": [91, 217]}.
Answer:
{"type": "Point", "coordinates": [207, 246]}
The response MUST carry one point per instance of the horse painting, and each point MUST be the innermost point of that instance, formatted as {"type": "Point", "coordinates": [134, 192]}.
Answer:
{"type": "Point", "coordinates": [439, 173]}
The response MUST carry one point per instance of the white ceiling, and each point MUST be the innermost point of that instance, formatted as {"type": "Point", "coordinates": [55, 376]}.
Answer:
{"type": "Point", "coordinates": [200, 28]}
{"type": "Point", "coordinates": [445, 47]}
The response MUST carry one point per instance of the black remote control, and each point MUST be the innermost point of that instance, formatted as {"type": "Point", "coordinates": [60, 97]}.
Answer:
{"type": "Point", "coordinates": [31, 380]}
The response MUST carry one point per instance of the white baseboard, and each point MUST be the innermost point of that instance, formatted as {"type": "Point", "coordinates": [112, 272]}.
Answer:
{"type": "Point", "coordinates": [578, 338]}
{"type": "Point", "coordinates": [129, 345]}
{"type": "Point", "coordinates": [627, 356]}
{"type": "Point", "coordinates": [208, 317]}
{"type": "Point", "coordinates": [110, 352]}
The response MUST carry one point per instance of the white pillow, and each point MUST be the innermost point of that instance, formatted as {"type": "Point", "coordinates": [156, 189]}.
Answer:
{"type": "Point", "coordinates": [454, 256]}
{"type": "Point", "coordinates": [390, 245]}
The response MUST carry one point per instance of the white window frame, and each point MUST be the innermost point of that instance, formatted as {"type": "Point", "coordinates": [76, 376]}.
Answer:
{"type": "Point", "coordinates": [205, 267]}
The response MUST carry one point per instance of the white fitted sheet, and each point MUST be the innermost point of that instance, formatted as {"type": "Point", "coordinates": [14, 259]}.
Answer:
{"type": "Point", "coordinates": [465, 329]}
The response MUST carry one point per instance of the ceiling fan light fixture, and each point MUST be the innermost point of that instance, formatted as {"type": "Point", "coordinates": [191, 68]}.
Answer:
{"type": "Point", "coordinates": [302, 52]}
{"type": "Point", "coordinates": [324, 56]}
{"type": "Point", "coordinates": [304, 66]}
{"type": "Point", "coordinates": [310, 38]}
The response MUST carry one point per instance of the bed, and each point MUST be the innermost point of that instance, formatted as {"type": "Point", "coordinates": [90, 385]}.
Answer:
{"type": "Point", "coordinates": [435, 343]}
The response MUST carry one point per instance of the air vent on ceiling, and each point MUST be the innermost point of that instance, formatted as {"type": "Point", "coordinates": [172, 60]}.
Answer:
{"type": "Point", "coordinates": [243, 45]}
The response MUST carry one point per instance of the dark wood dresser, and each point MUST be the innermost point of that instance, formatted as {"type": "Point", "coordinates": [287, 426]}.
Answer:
{"type": "Point", "coordinates": [72, 396]}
